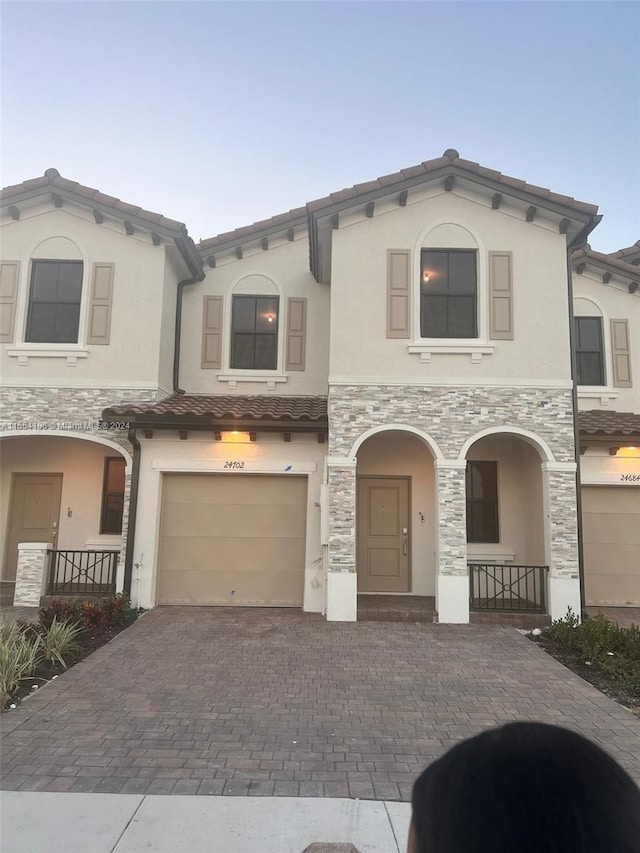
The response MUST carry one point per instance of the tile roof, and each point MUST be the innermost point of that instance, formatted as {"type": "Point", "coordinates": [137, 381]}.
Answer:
{"type": "Point", "coordinates": [448, 159]}
{"type": "Point", "coordinates": [259, 408]}
{"type": "Point", "coordinates": [612, 262]}
{"type": "Point", "coordinates": [630, 255]}
{"type": "Point", "coordinates": [600, 422]}
{"type": "Point", "coordinates": [52, 180]}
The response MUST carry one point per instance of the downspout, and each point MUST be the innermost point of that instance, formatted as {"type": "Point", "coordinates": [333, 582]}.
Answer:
{"type": "Point", "coordinates": [133, 508]}
{"type": "Point", "coordinates": [199, 276]}
{"type": "Point", "coordinates": [577, 241]}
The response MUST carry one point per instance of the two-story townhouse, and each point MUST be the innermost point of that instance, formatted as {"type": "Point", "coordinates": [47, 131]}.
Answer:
{"type": "Point", "coordinates": [88, 292]}
{"type": "Point", "coordinates": [607, 342]}
{"type": "Point", "coordinates": [433, 305]}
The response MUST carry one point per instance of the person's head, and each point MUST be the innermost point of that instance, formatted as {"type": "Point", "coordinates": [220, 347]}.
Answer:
{"type": "Point", "coordinates": [525, 788]}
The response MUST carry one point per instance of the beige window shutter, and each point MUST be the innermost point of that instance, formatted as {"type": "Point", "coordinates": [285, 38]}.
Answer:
{"type": "Point", "coordinates": [501, 296]}
{"type": "Point", "coordinates": [398, 292]}
{"type": "Point", "coordinates": [9, 274]}
{"type": "Point", "coordinates": [296, 333]}
{"type": "Point", "coordinates": [621, 353]}
{"type": "Point", "coordinates": [212, 332]}
{"type": "Point", "coordinates": [100, 305]}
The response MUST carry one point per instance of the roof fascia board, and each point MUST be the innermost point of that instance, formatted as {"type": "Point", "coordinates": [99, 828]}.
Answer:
{"type": "Point", "coordinates": [207, 423]}
{"type": "Point", "coordinates": [612, 267]}
{"type": "Point", "coordinates": [255, 236]}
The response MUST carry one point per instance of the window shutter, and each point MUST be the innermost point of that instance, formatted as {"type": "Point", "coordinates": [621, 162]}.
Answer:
{"type": "Point", "coordinates": [9, 271]}
{"type": "Point", "coordinates": [398, 286]}
{"type": "Point", "coordinates": [296, 333]}
{"type": "Point", "coordinates": [621, 353]}
{"type": "Point", "coordinates": [100, 305]}
{"type": "Point", "coordinates": [500, 296]}
{"type": "Point", "coordinates": [212, 332]}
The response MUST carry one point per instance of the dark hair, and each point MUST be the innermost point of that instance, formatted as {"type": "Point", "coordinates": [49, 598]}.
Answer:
{"type": "Point", "coordinates": [526, 788]}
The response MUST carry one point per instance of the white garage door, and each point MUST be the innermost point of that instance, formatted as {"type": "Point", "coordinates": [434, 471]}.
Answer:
{"type": "Point", "coordinates": [611, 541]}
{"type": "Point", "coordinates": [235, 539]}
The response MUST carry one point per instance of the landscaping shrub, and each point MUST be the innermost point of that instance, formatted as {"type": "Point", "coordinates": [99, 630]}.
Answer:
{"type": "Point", "coordinates": [601, 644]}
{"type": "Point", "coordinates": [58, 640]}
{"type": "Point", "coordinates": [19, 657]}
{"type": "Point", "coordinates": [105, 613]}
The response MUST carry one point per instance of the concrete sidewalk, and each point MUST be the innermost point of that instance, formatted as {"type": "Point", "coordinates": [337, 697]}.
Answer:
{"type": "Point", "coordinates": [128, 823]}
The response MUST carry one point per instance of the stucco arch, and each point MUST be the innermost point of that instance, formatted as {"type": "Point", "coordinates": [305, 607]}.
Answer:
{"type": "Point", "coordinates": [256, 284]}
{"type": "Point", "coordinates": [59, 433]}
{"type": "Point", "coordinates": [538, 443]}
{"type": "Point", "coordinates": [423, 436]}
{"type": "Point", "coordinates": [57, 247]}
{"type": "Point", "coordinates": [578, 297]}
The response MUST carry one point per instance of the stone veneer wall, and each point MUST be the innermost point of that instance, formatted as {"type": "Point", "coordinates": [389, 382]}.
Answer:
{"type": "Point", "coordinates": [66, 409]}
{"type": "Point", "coordinates": [452, 415]}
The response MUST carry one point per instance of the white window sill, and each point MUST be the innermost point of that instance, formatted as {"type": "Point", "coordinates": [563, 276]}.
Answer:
{"type": "Point", "coordinates": [451, 346]}
{"type": "Point", "coordinates": [25, 352]}
{"type": "Point", "coordinates": [269, 379]}
{"type": "Point", "coordinates": [604, 394]}
{"type": "Point", "coordinates": [104, 542]}
{"type": "Point", "coordinates": [493, 554]}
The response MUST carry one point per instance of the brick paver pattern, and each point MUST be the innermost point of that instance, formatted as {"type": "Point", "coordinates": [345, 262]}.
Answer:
{"type": "Point", "coordinates": [278, 702]}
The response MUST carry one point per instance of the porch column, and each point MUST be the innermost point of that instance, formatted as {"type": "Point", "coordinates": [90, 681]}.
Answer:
{"type": "Point", "coordinates": [31, 574]}
{"type": "Point", "coordinates": [342, 582]}
{"type": "Point", "coordinates": [452, 577]}
{"type": "Point", "coordinates": [561, 537]}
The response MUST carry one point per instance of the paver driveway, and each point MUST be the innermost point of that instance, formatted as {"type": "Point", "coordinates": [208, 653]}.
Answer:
{"type": "Point", "coordinates": [263, 702]}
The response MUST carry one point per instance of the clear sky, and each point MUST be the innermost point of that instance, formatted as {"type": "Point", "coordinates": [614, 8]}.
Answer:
{"type": "Point", "coordinates": [219, 114]}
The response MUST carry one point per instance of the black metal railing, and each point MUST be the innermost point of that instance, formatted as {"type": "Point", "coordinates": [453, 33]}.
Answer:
{"type": "Point", "coordinates": [82, 572]}
{"type": "Point", "coordinates": [498, 586]}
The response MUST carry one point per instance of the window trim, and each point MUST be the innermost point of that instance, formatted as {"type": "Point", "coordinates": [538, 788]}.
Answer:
{"type": "Point", "coordinates": [602, 352]}
{"type": "Point", "coordinates": [29, 302]}
{"type": "Point", "coordinates": [255, 332]}
{"type": "Point", "coordinates": [476, 325]}
{"type": "Point", "coordinates": [106, 494]}
{"type": "Point", "coordinates": [468, 500]}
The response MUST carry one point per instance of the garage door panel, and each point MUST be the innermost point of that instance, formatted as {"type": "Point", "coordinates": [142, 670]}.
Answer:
{"type": "Point", "coordinates": [612, 529]}
{"type": "Point", "coordinates": [233, 488]}
{"type": "Point", "coordinates": [187, 553]}
{"type": "Point", "coordinates": [245, 589]}
{"type": "Point", "coordinates": [232, 539]}
{"type": "Point", "coordinates": [611, 499]}
{"type": "Point", "coordinates": [240, 520]}
{"type": "Point", "coordinates": [611, 538]}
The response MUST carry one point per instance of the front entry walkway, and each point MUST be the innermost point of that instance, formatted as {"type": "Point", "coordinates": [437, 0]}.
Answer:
{"type": "Point", "coordinates": [278, 702]}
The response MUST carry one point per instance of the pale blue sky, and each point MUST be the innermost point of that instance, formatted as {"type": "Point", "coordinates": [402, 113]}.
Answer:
{"type": "Point", "coordinates": [219, 114]}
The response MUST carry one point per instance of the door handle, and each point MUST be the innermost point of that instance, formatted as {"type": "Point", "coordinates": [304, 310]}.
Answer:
{"type": "Point", "coordinates": [404, 547]}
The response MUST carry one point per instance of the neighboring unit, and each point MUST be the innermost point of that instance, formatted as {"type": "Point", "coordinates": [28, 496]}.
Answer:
{"type": "Point", "coordinates": [371, 394]}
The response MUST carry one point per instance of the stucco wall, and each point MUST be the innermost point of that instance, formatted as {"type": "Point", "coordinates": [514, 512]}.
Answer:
{"type": "Point", "coordinates": [397, 454]}
{"type": "Point", "coordinates": [540, 349]}
{"type": "Point", "coordinates": [286, 266]}
{"type": "Point", "coordinates": [82, 465]}
{"type": "Point", "coordinates": [140, 290]}
{"type": "Point", "coordinates": [269, 454]}
{"type": "Point", "coordinates": [611, 302]}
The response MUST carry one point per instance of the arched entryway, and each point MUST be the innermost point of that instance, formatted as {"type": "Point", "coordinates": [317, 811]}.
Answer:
{"type": "Point", "coordinates": [67, 490]}
{"type": "Point", "coordinates": [395, 514]}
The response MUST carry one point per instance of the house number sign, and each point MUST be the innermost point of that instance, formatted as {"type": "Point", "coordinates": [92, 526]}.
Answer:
{"type": "Point", "coordinates": [230, 464]}
{"type": "Point", "coordinates": [630, 478]}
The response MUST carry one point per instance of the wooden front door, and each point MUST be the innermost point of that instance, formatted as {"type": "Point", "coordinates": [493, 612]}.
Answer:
{"type": "Point", "coordinates": [34, 514]}
{"type": "Point", "coordinates": [383, 534]}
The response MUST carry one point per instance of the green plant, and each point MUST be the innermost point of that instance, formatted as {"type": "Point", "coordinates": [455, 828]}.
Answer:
{"type": "Point", "coordinates": [62, 610]}
{"type": "Point", "coordinates": [19, 657]}
{"type": "Point", "coordinates": [58, 640]}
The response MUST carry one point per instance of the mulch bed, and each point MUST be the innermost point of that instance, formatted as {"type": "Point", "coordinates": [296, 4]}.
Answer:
{"type": "Point", "coordinates": [87, 643]}
{"type": "Point", "coordinates": [577, 664]}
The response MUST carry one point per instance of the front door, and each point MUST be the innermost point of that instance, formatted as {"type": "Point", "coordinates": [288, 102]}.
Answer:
{"type": "Point", "coordinates": [33, 515]}
{"type": "Point", "coordinates": [383, 534]}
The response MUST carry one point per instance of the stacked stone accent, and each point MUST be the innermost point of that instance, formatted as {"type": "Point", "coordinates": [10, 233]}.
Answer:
{"type": "Point", "coordinates": [451, 510]}
{"type": "Point", "coordinates": [451, 416]}
{"type": "Point", "coordinates": [31, 573]}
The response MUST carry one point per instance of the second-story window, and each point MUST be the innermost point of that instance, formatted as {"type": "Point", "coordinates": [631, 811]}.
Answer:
{"type": "Point", "coordinates": [54, 302]}
{"type": "Point", "coordinates": [448, 294]}
{"type": "Point", "coordinates": [589, 351]}
{"type": "Point", "coordinates": [254, 332]}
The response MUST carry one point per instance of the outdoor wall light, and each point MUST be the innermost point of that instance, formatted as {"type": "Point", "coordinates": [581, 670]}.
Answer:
{"type": "Point", "coordinates": [626, 452]}
{"type": "Point", "coordinates": [235, 436]}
